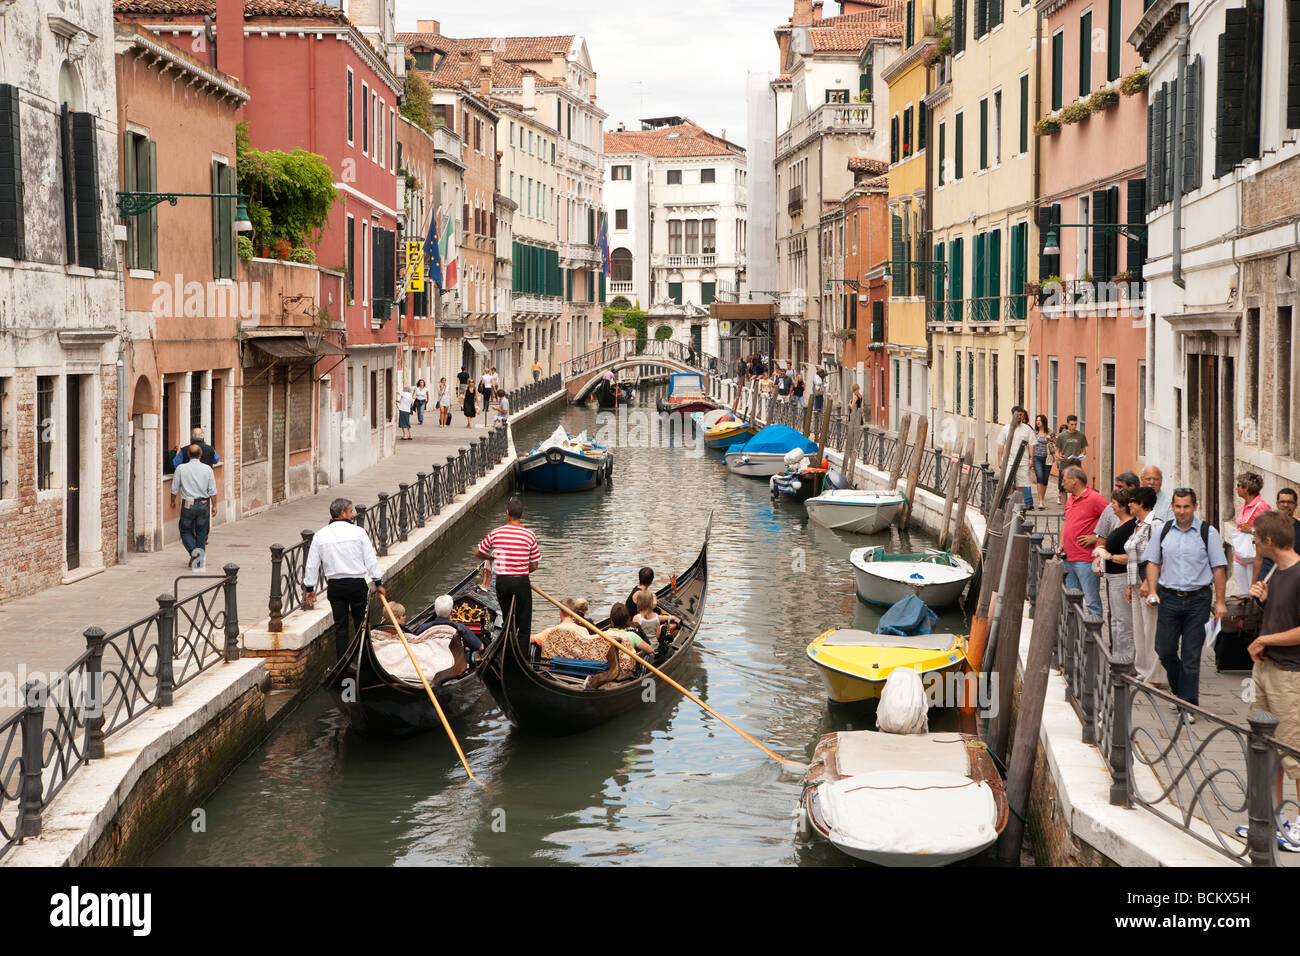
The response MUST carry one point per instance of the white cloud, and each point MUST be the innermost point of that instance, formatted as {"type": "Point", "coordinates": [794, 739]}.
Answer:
{"type": "Point", "coordinates": [660, 58]}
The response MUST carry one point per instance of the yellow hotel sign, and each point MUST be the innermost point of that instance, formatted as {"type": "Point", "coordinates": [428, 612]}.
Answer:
{"type": "Point", "coordinates": [415, 266]}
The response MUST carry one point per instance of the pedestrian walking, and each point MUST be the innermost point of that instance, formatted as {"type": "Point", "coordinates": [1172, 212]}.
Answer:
{"type": "Point", "coordinates": [209, 456]}
{"type": "Point", "coordinates": [1044, 453]}
{"type": "Point", "coordinates": [485, 388]}
{"type": "Point", "coordinates": [1082, 510]}
{"type": "Point", "coordinates": [469, 408]}
{"type": "Point", "coordinates": [1070, 446]}
{"type": "Point", "coordinates": [512, 555]}
{"type": "Point", "coordinates": [1115, 571]}
{"type": "Point", "coordinates": [797, 390]}
{"type": "Point", "coordinates": [1142, 611]}
{"type": "Point", "coordinates": [1276, 652]}
{"type": "Point", "coordinates": [404, 402]}
{"type": "Point", "coordinates": [537, 369]}
{"type": "Point", "coordinates": [342, 554]}
{"type": "Point", "coordinates": [1010, 440]}
{"type": "Point", "coordinates": [462, 381]}
{"type": "Point", "coordinates": [1186, 571]}
{"type": "Point", "coordinates": [818, 389]}
{"type": "Point", "coordinates": [1154, 478]}
{"type": "Point", "coordinates": [420, 399]}
{"type": "Point", "coordinates": [444, 404]}
{"type": "Point", "coordinates": [196, 485]}
{"type": "Point", "coordinates": [1253, 505]}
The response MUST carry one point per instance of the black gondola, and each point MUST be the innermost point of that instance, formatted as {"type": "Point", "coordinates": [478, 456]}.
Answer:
{"type": "Point", "coordinates": [378, 703]}
{"type": "Point", "coordinates": [537, 701]}
{"type": "Point", "coordinates": [609, 395]}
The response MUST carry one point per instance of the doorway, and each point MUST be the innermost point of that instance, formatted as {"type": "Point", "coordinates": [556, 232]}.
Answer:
{"type": "Point", "coordinates": [72, 500]}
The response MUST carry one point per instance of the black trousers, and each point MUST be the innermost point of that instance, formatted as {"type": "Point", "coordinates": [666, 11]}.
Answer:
{"type": "Point", "coordinates": [516, 587]}
{"type": "Point", "coordinates": [347, 596]}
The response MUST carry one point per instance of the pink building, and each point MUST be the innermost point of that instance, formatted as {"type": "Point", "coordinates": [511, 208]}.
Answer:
{"type": "Point", "coordinates": [1087, 341]}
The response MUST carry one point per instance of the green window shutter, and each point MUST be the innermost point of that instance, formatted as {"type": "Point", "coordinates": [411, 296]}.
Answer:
{"type": "Point", "coordinates": [1253, 112]}
{"type": "Point", "coordinates": [516, 267]}
{"type": "Point", "coordinates": [977, 276]}
{"type": "Point", "coordinates": [920, 126]}
{"type": "Point", "coordinates": [995, 13]}
{"type": "Point", "coordinates": [1137, 247]}
{"type": "Point", "coordinates": [956, 392]}
{"type": "Point", "coordinates": [1100, 214]}
{"type": "Point", "coordinates": [1170, 164]}
{"type": "Point", "coordinates": [1229, 142]}
{"type": "Point", "coordinates": [878, 320]}
{"type": "Point", "coordinates": [69, 185]}
{"type": "Point", "coordinates": [893, 139]}
{"type": "Point", "coordinates": [675, 292]}
{"type": "Point", "coordinates": [147, 172]}
{"type": "Point", "coordinates": [908, 144]}
{"type": "Point", "coordinates": [1112, 240]}
{"type": "Point", "coordinates": [129, 175]}
{"type": "Point", "coordinates": [1156, 174]}
{"type": "Point", "coordinates": [909, 26]}
{"type": "Point", "coordinates": [1085, 54]}
{"type": "Point", "coordinates": [216, 220]}
{"type": "Point", "coordinates": [1016, 274]}
{"type": "Point", "coordinates": [897, 278]}
{"type": "Point", "coordinates": [229, 184]}
{"type": "Point", "coordinates": [981, 18]}
{"type": "Point", "coordinates": [936, 274]}
{"type": "Point", "coordinates": [993, 252]}
{"type": "Point", "coordinates": [958, 26]}
{"type": "Point", "coordinates": [1024, 113]}
{"type": "Point", "coordinates": [85, 152]}
{"type": "Point", "coordinates": [707, 292]}
{"type": "Point", "coordinates": [984, 134]}
{"type": "Point", "coordinates": [1192, 126]}
{"type": "Point", "coordinates": [943, 148]}
{"type": "Point", "coordinates": [1114, 38]}
{"type": "Point", "coordinates": [1293, 69]}
{"type": "Point", "coordinates": [1058, 70]}
{"type": "Point", "coordinates": [957, 137]}
{"type": "Point", "coordinates": [601, 285]}
{"type": "Point", "coordinates": [970, 382]}
{"type": "Point", "coordinates": [12, 236]}
{"type": "Point", "coordinates": [568, 285]}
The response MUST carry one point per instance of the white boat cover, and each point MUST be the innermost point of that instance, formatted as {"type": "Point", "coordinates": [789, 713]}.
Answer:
{"type": "Point", "coordinates": [558, 439]}
{"type": "Point", "coordinates": [918, 814]}
{"type": "Point", "coordinates": [911, 572]}
{"type": "Point", "coordinates": [850, 637]}
{"type": "Point", "coordinates": [866, 751]}
{"type": "Point", "coordinates": [904, 707]}
{"type": "Point", "coordinates": [434, 655]}
{"type": "Point", "coordinates": [859, 496]}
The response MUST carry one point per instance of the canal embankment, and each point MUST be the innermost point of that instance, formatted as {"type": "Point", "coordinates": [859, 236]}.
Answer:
{"type": "Point", "coordinates": [130, 756]}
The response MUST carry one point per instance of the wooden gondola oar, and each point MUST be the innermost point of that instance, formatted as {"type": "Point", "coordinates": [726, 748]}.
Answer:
{"type": "Point", "coordinates": [790, 766]}
{"type": "Point", "coordinates": [429, 690]}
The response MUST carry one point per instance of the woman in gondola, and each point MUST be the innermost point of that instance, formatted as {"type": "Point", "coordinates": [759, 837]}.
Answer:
{"type": "Point", "coordinates": [469, 408]}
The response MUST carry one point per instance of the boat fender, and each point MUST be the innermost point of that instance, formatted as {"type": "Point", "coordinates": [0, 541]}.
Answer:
{"type": "Point", "coordinates": [802, 829]}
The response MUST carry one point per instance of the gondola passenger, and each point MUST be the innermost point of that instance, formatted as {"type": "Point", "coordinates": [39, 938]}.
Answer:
{"type": "Point", "coordinates": [647, 617]}
{"type": "Point", "coordinates": [619, 620]}
{"type": "Point", "coordinates": [645, 578]}
{"type": "Point", "coordinates": [442, 609]}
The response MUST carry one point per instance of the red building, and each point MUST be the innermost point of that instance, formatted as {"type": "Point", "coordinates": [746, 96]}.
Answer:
{"type": "Point", "coordinates": [317, 84]}
{"type": "Point", "coordinates": [864, 354]}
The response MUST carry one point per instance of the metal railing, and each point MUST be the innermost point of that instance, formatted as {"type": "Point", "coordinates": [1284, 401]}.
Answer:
{"type": "Point", "coordinates": [1133, 724]}
{"type": "Point", "coordinates": [633, 349]}
{"type": "Point", "coordinates": [62, 725]}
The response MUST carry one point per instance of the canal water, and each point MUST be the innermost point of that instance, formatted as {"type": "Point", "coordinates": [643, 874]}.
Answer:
{"type": "Point", "coordinates": [668, 784]}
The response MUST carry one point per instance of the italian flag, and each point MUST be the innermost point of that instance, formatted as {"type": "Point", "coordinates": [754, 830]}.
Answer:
{"type": "Point", "coordinates": [449, 253]}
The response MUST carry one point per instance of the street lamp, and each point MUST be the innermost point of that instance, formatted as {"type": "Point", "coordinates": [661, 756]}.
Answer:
{"type": "Point", "coordinates": [851, 283]}
{"type": "Point", "coordinates": [131, 204]}
{"type": "Point", "coordinates": [916, 263]}
{"type": "Point", "coordinates": [1052, 241]}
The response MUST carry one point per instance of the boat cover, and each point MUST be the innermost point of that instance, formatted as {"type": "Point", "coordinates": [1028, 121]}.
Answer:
{"type": "Point", "coordinates": [433, 654]}
{"type": "Point", "coordinates": [865, 751]}
{"type": "Point", "coordinates": [850, 637]}
{"type": "Point", "coordinates": [685, 383]}
{"type": "Point", "coordinates": [776, 440]}
{"type": "Point", "coordinates": [908, 616]}
{"type": "Point", "coordinates": [932, 813]}
{"type": "Point", "coordinates": [904, 707]}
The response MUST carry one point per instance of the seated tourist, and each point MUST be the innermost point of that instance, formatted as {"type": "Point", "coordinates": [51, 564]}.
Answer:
{"type": "Point", "coordinates": [567, 625]}
{"type": "Point", "coordinates": [442, 610]}
{"type": "Point", "coordinates": [429, 646]}
{"type": "Point", "coordinates": [626, 664]}
{"type": "Point", "coordinates": [646, 577]}
{"type": "Point", "coordinates": [647, 616]}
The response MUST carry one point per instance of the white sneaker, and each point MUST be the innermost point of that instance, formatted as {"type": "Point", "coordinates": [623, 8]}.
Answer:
{"type": "Point", "coordinates": [198, 559]}
{"type": "Point", "coordinates": [1291, 833]}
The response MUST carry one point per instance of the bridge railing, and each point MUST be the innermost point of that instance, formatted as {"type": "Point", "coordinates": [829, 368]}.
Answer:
{"type": "Point", "coordinates": [635, 350]}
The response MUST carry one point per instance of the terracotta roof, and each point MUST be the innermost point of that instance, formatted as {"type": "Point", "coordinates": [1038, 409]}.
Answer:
{"type": "Point", "coordinates": [881, 182]}
{"type": "Point", "coordinates": [296, 9]}
{"type": "Point", "coordinates": [849, 32]}
{"type": "Point", "coordinates": [865, 164]}
{"type": "Point", "coordinates": [685, 139]}
{"type": "Point", "coordinates": [520, 49]}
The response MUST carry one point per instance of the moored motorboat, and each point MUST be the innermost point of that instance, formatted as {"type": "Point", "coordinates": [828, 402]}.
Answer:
{"type": "Point", "coordinates": [903, 800]}
{"type": "Point", "coordinates": [855, 510]}
{"type": "Point", "coordinates": [727, 434]}
{"type": "Point", "coordinates": [764, 455]}
{"type": "Point", "coordinates": [376, 687]}
{"type": "Point", "coordinates": [540, 700]}
{"type": "Point", "coordinates": [686, 394]}
{"type": "Point", "coordinates": [565, 463]}
{"type": "Point", "coordinates": [855, 664]}
{"type": "Point", "coordinates": [936, 577]}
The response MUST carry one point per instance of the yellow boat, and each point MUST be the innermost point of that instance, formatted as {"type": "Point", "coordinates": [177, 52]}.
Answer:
{"type": "Point", "coordinates": [855, 664]}
{"type": "Point", "coordinates": [725, 434]}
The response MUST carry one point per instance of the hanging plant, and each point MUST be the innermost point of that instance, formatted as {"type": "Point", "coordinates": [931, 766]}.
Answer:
{"type": "Point", "coordinates": [1103, 100]}
{"type": "Point", "coordinates": [1075, 113]}
{"type": "Point", "coordinates": [1135, 82]}
{"type": "Point", "coordinates": [1047, 126]}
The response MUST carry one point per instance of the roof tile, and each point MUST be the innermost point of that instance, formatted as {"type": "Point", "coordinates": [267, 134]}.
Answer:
{"type": "Point", "coordinates": [306, 9]}
{"type": "Point", "coordinates": [685, 139]}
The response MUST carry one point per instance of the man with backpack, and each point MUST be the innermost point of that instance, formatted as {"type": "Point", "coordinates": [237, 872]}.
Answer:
{"type": "Point", "coordinates": [1184, 562]}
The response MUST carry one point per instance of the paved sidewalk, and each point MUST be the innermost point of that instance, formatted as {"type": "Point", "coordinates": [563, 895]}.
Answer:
{"type": "Point", "coordinates": [43, 632]}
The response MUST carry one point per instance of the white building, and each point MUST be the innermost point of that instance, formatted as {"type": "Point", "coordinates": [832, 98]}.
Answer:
{"type": "Point", "coordinates": [1220, 390]}
{"type": "Point", "coordinates": [678, 224]}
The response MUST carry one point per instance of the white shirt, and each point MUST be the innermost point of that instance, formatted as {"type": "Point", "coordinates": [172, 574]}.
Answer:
{"type": "Point", "coordinates": [404, 401]}
{"type": "Point", "coordinates": [1009, 442]}
{"type": "Point", "coordinates": [444, 397]}
{"type": "Point", "coordinates": [421, 393]}
{"type": "Point", "coordinates": [817, 384]}
{"type": "Point", "coordinates": [341, 550]}
{"type": "Point", "coordinates": [193, 479]}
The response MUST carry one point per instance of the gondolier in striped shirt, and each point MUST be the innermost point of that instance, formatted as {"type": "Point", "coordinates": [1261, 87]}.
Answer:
{"type": "Point", "coordinates": [512, 552]}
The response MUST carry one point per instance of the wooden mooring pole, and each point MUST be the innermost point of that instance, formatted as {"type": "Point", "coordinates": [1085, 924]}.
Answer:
{"type": "Point", "coordinates": [822, 429]}
{"type": "Point", "coordinates": [914, 472]}
{"type": "Point", "coordinates": [849, 463]}
{"type": "Point", "coordinates": [963, 494]}
{"type": "Point", "coordinates": [1020, 774]}
{"type": "Point", "coordinates": [900, 453]}
{"type": "Point", "coordinates": [1004, 639]}
{"type": "Point", "coordinates": [954, 475]}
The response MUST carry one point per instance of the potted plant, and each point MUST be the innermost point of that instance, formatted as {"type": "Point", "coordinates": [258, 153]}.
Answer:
{"type": "Point", "coordinates": [1103, 99]}
{"type": "Point", "coordinates": [846, 333]}
{"type": "Point", "coordinates": [244, 247]}
{"type": "Point", "coordinates": [1050, 285]}
{"type": "Point", "coordinates": [1047, 126]}
{"type": "Point", "coordinates": [1135, 82]}
{"type": "Point", "coordinates": [1075, 113]}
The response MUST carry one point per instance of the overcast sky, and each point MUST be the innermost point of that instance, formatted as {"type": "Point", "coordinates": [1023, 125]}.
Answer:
{"type": "Point", "coordinates": [652, 57]}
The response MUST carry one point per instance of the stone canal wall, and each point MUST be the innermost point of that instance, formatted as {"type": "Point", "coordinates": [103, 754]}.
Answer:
{"type": "Point", "coordinates": [157, 771]}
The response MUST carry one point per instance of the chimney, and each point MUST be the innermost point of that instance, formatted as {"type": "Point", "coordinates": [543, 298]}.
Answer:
{"type": "Point", "coordinates": [230, 37]}
{"type": "Point", "coordinates": [622, 127]}
{"type": "Point", "coordinates": [802, 13]}
{"type": "Point", "coordinates": [817, 10]}
{"type": "Point", "coordinates": [428, 26]}
{"type": "Point", "coordinates": [558, 72]}
{"type": "Point", "coordinates": [530, 93]}
{"type": "Point", "coordinates": [485, 72]}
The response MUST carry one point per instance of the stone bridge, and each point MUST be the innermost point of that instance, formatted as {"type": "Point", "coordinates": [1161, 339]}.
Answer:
{"type": "Point", "coordinates": [583, 373]}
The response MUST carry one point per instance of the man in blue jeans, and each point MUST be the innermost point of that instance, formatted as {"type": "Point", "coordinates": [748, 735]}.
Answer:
{"type": "Point", "coordinates": [196, 485]}
{"type": "Point", "coordinates": [1184, 562]}
{"type": "Point", "coordinates": [1082, 509]}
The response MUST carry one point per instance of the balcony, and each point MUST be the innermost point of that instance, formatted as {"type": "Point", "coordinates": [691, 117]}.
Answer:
{"type": "Point", "coordinates": [708, 260]}
{"type": "Point", "coordinates": [524, 302]}
{"type": "Point", "coordinates": [795, 201]}
{"type": "Point", "coordinates": [579, 253]}
{"type": "Point", "coordinates": [793, 304]}
{"type": "Point", "coordinates": [447, 144]}
{"type": "Point", "coordinates": [830, 118]}
{"type": "Point", "coordinates": [579, 153]}
{"type": "Point", "coordinates": [622, 288]}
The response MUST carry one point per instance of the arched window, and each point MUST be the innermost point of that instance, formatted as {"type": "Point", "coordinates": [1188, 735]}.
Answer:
{"type": "Point", "coordinates": [620, 265]}
{"type": "Point", "coordinates": [70, 89]}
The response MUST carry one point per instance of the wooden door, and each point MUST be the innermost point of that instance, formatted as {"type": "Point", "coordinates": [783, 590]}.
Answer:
{"type": "Point", "coordinates": [279, 455]}
{"type": "Point", "coordinates": [72, 500]}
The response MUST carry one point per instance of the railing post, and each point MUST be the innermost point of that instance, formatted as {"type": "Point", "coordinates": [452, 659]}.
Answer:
{"type": "Point", "coordinates": [1071, 612]}
{"type": "Point", "coordinates": [1120, 722]}
{"type": "Point", "coordinates": [166, 646]}
{"type": "Point", "coordinates": [482, 456]}
{"type": "Point", "coordinates": [232, 612]}
{"type": "Point", "coordinates": [93, 696]}
{"type": "Point", "coordinates": [381, 526]}
{"type": "Point", "coordinates": [403, 509]}
{"type": "Point", "coordinates": [31, 797]}
{"type": "Point", "coordinates": [1261, 778]}
{"type": "Point", "coordinates": [1091, 666]}
{"type": "Point", "coordinates": [422, 497]}
{"type": "Point", "coordinates": [454, 484]}
{"type": "Point", "coordinates": [276, 604]}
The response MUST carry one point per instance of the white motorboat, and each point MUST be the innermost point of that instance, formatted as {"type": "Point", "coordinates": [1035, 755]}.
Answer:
{"type": "Point", "coordinates": [903, 800]}
{"type": "Point", "coordinates": [764, 455]}
{"type": "Point", "coordinates": [856, 510]}
{"type": "Point", "coordinates": [936, 577]}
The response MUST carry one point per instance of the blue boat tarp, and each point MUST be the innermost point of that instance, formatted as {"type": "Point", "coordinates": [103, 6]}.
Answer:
{"type": "Point", "coordinates": [685, 383]}
{"type": "Point", "coordinates": [778, 439]}
{"type": "Point", "coordinates": [908, 617]}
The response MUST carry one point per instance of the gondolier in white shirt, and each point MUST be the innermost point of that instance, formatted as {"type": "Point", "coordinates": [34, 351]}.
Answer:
{"type": "Point", "coordinates": [512, 552]}
{"type": "Point", "coordinates": [343, 553]}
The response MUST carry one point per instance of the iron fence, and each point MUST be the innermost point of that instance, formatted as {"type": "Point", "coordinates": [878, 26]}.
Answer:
{"type": "Point", "coordinates": [526, 395]}
{"type": "Point", "coordinates": [62, 724]}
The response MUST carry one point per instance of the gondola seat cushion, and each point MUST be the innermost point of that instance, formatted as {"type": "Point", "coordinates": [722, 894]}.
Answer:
{"type": "Point", "coordinates": [575, 667]}
{"type": "Point", "coordinates": [440, 657]}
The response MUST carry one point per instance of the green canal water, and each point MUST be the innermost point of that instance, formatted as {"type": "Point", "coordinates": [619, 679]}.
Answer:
{"type": "Point", "coordinates": [666, 785]}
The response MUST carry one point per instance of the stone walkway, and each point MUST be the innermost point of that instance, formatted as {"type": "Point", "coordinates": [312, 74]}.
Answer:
{"type": "Point", "coordinates": [42, 633]}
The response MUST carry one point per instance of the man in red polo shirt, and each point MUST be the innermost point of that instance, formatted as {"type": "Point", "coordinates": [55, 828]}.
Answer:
{"type": "Point", "coordinates": [1082, 509]}
{"type": "Point", "coordinates": [511, 551]}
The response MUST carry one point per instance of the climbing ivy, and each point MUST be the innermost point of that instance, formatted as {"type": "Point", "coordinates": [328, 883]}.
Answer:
{"type": "Point", "coordinates": [289, 194]}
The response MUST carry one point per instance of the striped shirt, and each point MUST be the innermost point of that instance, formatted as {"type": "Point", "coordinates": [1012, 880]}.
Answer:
{"type": "Point", "coordinates": [511, 547]}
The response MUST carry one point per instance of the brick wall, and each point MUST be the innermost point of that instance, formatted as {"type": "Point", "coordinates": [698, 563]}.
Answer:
{"type": "Point", "coordinates": [1271, 195]}
{"type": "Point", "coordinates": [166, 795]}
{"type": "Point", "coordinates": [295, 668]}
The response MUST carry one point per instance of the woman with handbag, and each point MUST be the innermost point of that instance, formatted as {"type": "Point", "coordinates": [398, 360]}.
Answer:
{"type": "Point", "coordinates": [1253, 505]}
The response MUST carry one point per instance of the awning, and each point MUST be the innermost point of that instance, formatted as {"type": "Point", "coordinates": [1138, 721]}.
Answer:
{"type": "Point", "coordinates": [295, 347]}
{"type": "Point", "coordinates": [478, 346]}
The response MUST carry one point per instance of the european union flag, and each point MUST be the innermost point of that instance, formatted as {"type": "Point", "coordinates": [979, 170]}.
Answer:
{"type": "Point", "coordinates": [432, 254]}
{"type": "Point", "coordinates": [604, 243]}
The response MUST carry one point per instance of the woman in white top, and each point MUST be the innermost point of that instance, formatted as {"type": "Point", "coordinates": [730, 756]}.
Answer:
{"type": "Point", "coordinates": [421, 395]}
{"type": "Point", "coordinates": [444, 404]}
{"type": "Point", "coordinates": [404, 401]}
{"type": "Point", "coordinates": [648, 617]}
